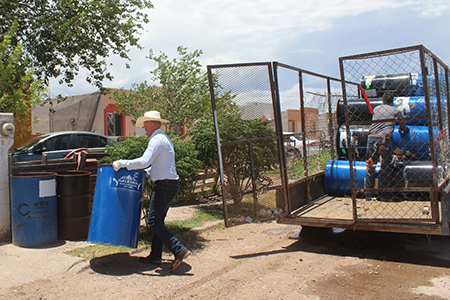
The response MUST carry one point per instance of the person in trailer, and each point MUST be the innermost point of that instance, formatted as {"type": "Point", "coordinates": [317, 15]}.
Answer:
{"type": "Point", "coordinates": [379, 146]}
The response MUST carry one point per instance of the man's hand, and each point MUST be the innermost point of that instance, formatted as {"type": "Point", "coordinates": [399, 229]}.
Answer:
{"type": "Point", "coordinates": [147, 172]}
{"type": "Point", "coordinates": [402, 125]}
{"type": "Point", "coordinates": [369, 163]}
{"type": "Point", "coordinates": [117, 165]}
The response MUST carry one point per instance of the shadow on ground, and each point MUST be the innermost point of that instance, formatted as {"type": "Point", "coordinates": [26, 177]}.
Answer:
{"type": "Point", "coordinates": [124, 264]}
{"type": "Point", "coordinates": [396, 247]}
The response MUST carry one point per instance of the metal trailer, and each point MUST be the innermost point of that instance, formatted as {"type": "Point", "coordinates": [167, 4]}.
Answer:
{"type": "Point", "coordinates": [325, 188]}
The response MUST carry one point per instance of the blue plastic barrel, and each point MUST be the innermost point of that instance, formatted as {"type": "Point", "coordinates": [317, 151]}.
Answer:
{"type": "Point", "coordinates": [116, 211]}
{"type": "Point", "coordinates": [337, 176]}
{"type": "Point", "coordinates": [413, 143]}
{"type": "Point", "coordinates": [33, 209]}
{"type": "Point", "coordinates": [415, 107]}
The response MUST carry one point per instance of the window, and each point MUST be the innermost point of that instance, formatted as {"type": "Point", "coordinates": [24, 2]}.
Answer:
{"type": "Point", "coordinates": [61, 142]}
{"type": "Point", "coordinates": [114, 124]}
{"type": "Point", "coordinates": [291, 126]}
{"type": "Point", "coordinates": [86, 141]}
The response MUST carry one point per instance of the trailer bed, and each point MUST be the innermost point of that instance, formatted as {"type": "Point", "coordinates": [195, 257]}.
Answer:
{"type": "Point", "coordinates": [332, 211]}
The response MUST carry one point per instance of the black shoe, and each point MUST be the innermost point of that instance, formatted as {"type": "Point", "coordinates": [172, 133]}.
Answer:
{"type": "Point", "coordinates": [384, 199]}
{"type": "Point", "coordinates": [179, 258]}
{"type": "Point", "coordinates": [151, 260]}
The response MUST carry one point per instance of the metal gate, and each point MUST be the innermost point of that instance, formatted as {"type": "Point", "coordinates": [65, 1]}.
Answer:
{"type": "Point", "coordinates": [249, 151]}
{"type": "Point", "coordinates": [271, 132]}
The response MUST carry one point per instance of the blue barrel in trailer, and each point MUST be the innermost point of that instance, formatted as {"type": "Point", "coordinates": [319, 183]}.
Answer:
{"type": "Point", "coordinates": [33, 209]}
{"type": "Point", "coordinates": [415, 107]}
{"type": "Point", "coordinates": [410, 174]}
{"type": "Point", "coordinates": [116, 211]}
{"type": "Point", "coordinates": [337, 176]}
{"type": "Point", "coordinates": [413, 143]}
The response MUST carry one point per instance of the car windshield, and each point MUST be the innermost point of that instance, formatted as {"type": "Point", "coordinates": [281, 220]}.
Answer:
{"type": "Point", "coordinates": [25, 147]}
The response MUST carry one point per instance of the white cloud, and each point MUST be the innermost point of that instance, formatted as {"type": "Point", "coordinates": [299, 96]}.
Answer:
{"type": "Point", "coordinates": [433, 8]}
{"type": "Point", "coordinates": [307, 32]}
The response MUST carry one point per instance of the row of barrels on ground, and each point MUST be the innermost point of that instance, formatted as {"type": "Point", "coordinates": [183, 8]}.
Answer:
{"type": "Point", "coordinates": [47, 206]}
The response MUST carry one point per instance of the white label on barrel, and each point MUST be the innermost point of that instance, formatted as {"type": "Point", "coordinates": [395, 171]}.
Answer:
{"type": "Point", "coordinates": [130, 181]}
{"type": "Point", "coordinates": [47, 188]}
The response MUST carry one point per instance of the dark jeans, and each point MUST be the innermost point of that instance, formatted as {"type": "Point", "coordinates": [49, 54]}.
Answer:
{"type": "Point", "coordinates": [163, 194]}
{"type": "Point", "coordinates": [379, 148]}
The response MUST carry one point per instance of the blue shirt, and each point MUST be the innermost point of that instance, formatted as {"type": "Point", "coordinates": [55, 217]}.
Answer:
{"type": "Point", "coordinates": [158, 158]}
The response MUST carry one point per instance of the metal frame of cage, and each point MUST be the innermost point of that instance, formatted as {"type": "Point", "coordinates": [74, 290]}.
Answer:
{"type": "Point", "coordinates": [293, 202]}
{"type": "Point", "coordinates": [283, 187]}
{"type": "Point", "coordinates": [437, 123]}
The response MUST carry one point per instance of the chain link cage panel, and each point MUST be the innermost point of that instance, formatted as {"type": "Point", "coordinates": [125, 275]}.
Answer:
{"type": "Point", "coordinates": [251, 174]}
{"type": "Point", "coordinates": [396, 174]}
{"type": "Point", "coordinates": [440, 90]}
{"type": "Point", "coordinates": [308, 105]}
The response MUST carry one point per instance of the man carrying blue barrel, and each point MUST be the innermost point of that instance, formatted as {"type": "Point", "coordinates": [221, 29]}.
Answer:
{"type": "Point", "coordinates": [158, 161]}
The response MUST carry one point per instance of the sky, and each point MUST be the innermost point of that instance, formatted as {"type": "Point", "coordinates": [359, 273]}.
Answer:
{"type": "Point", "coordinates": [308, 34]}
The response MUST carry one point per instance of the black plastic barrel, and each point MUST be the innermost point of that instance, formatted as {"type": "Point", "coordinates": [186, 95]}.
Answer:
{"type": "Point", "coordinates": [419, 174]}
{"type": "Point", "coordinates": [400, 85]}
{"type": "Point", "coordinates": [74, 198]}
{"type": "Point", "coordinates": [411, 107]}
{"type": "Point", "coordinates": [357, 110]}
{"type": "Point", "coordinates": [33, 209]}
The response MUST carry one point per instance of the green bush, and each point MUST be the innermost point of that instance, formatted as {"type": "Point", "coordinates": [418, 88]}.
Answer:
{"type": "Point", "coordinates": [185, 159]}
{"type": "Point", "coordinates": [187, 165]}
{"type": "Point", "coordinates": [133, 147]}
{"type": "Point", "coordinates": [204, 138]}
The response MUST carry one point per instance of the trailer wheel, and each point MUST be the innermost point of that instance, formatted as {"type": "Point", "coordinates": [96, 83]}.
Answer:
{"type": "Point", "coordinates": [315, 233]}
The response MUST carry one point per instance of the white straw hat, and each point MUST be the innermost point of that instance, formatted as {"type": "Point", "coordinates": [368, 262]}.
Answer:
{"type": "Point", "coordinates": [150, 116]}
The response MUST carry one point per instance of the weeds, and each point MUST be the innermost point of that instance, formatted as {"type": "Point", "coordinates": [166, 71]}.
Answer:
{"type": "Point", "coordinates": [176, 227]}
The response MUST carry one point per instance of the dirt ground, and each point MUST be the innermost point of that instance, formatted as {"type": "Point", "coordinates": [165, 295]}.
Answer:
{"type": "Point", "coordinates": [263, 261]}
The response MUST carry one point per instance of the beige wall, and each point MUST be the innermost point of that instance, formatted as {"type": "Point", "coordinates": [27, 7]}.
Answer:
{"type": "Point", "coordinates": [311, 121]}
{"type": "Point", "coordinates": [41, 114]}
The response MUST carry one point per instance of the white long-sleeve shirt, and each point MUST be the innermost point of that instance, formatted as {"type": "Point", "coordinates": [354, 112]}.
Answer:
{"type": "Point", "coordinates": [158, 159]}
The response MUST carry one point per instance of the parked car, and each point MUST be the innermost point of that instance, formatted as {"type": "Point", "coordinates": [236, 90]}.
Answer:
{"type": "Point", "coordinates": [59, 144]}
{"type": "Point", "coordinates": [294, 144]}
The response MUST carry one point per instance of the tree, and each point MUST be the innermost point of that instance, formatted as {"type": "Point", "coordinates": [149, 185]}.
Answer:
{"type": "Point", "coordinates": [237, 167]}
{"type": "Point", "coordinates": [183, 95]}
{"type": "Point", "coordinates": [59, 37]}
{"type": "Point", "coordinates": [19, 90]}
